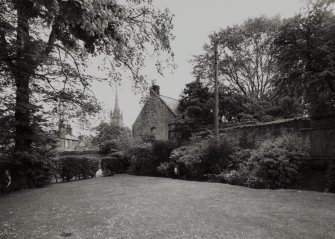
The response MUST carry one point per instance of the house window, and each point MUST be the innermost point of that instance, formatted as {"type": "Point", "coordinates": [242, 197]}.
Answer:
{"type": "Point", "coordinates": [67, 143]}
{"type": "Point", "coordinates": [153, 131]}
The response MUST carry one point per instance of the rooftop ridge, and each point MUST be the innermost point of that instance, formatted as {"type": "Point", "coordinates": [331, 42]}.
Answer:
{"type": "Point", "coordinates": [169, 97]}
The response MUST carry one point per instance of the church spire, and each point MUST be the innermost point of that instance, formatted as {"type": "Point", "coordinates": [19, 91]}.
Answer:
{"type": "Point", "coordinates": [116, 104]}
{"type": "Point", "coordinates": [116, 116]}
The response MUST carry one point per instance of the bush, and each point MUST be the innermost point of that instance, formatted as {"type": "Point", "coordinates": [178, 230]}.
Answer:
{"type": "Point", "coordinates": [78, 167]}
{"type": "Point", "coordinates": [108, 148]}
{"type": "Point", "coordinates": [84, 152]}
{"type": "Point", "coordinates": [114, 164]}
{"type": "Point", "coordinates": [161, 150]}
{"type": "Point", "coordinates": [204, 157]}
{"type": "Point", "coordinates": [279, 162]}
{"type": "Point", "coordinates": [189, 159]}
{"type": "Point", "coordinates": [276, 163]}
{"type": "Point", "coordinates": [29, 170]}
{"type": "Point", "coordinates": [166, 169]}
{"type": "Point", "coordinates": [143, 166]}
{"type": "Point", "coordinates": [217, 156]}
{"type": "Point", "coordinates": [141, 160]}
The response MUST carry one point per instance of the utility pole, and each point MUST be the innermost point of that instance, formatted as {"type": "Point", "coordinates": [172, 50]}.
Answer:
{"type": "Point", "coordinates": [216, 93]}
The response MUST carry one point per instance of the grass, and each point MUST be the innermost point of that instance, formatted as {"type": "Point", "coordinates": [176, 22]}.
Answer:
{"type": "Point", "coordinates": [126, 206]}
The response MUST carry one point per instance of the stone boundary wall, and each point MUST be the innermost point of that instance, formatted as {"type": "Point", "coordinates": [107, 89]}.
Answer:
{"type": "Point", "coordinates": [321, 134]}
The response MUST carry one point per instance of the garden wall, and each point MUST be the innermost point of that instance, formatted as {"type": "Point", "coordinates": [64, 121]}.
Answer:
{"type": "Point", "coordinates": [321, 134]}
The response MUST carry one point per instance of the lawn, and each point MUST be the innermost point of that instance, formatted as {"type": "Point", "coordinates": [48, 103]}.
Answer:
{"type": "Point", "coordinates": [126, 206]}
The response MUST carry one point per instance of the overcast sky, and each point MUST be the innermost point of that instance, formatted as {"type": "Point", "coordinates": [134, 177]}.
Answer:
{"type": "Point", "coordinates": [194, 20]}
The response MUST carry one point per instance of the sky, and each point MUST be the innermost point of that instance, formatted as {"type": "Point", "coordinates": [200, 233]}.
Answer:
{"type": "Point", "coordinates": [194, 20]}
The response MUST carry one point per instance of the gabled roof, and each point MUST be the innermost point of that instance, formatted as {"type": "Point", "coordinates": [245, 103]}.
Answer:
{"type": "Point", "coordinates": [171, 103]}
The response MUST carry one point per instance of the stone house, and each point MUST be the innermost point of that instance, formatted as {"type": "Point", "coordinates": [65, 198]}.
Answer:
{"type": "Point", "coordinates": [156, 116]}
{"type": "Point", "coordinates": [65, 140]}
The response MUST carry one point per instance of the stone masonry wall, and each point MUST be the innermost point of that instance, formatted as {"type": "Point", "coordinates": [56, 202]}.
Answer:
{"type": "Point", "coordinates": [320, 133]}
{"type": "Point", "coordinates": [154, 119]}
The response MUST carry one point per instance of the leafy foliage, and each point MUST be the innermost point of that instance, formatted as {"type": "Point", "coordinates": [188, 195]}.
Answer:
{"type": "Point", "coordinates": [44, 52]}
{"type": "Point", "coordinates": [78, 167]}
{"type": "Point", "coordinates": [22, 170]}
{"type": "Point", "coordinates": [141, 160]}
{"type": "Point", "coordinates": [204, 157]}
{"type": "Point", "coordinates": [114, 164]}
{"type": "Point", "coordinates": [166, 169]}
{"type": "Point", "coordinates": [304, 51]}
{"type": "Point", "coordinates": [279, 162]}
{"type": "Point", "coordinates": [276, 163]}
{"type": "Point", "coordinates": [161, 150]}
{"type": "Point", "coordinates": [111, 137]}
{"type": "Point", "coordinates": [246, 60]}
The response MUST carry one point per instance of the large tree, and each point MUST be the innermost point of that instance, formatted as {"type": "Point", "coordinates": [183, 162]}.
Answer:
{"type": "Point", "coordinates": [246, 63]}
{"type": "Point", "coordinates": [111, 137]}
{"type": "Point", "coordinates": [305, 52]}
{"type": "Point", "coordinates": [44, 47]}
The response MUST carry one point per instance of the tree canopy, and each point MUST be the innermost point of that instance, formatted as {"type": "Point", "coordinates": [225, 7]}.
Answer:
{"type": "Point", "coordinates": [246, 63]}
{"type": "Point", "coordinates": [45, 45]}
{"type": "Point", "coordinates": [304, 49]}
{"type": "Point", "coordinates": [111, 137]}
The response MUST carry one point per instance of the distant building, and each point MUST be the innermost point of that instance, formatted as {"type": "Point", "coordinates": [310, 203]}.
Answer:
{"type": "Point", "coordinates": [65, 140]}
{"type": "Point", "coordinates": [116, 117]}
{"type": "Point", "coordinates": [156, 116]}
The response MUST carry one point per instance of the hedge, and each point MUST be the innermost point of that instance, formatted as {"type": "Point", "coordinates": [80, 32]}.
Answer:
{"type": "Point", "coordinates": [78, 168]}
{"type": "Point", "coordinates": [71, 153]}
{"type": "Point", "coordinates": [114, 164]}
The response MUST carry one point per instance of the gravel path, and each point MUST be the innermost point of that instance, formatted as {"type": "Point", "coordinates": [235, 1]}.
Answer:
{"type": "Point", "coordinates": [126, 206]}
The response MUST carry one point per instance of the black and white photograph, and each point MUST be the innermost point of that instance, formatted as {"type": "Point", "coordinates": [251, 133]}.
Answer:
{"type": "Point", "coordinates": [167, 119]}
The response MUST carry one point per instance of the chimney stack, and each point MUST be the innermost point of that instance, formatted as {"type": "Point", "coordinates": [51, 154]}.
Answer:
{"type": "Point", "coordinates": [69, 129]}
{"type": "Point", "coordinates": [154, 89]}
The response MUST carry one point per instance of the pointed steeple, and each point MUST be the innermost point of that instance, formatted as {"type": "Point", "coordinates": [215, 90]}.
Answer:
{"type": "Point", "coordinates": [116, 104]}
{"type": "Point", "coordinates": [116, 116]}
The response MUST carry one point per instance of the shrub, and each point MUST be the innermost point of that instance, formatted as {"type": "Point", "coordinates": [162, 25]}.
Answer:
{"type": "Point", "coordinates": [78, 167]}
{"type": "Point", "coordinates": [279, 162]}
{"type": "Point", "coordinates": [143, 166]}
{"type": "Point", "coordinates": [235, 177]}
{"type": "Point", "coordinates": [141, 160]}
{"type": "Point", "coordinates": [275, 163]}
{"type": "Point", "coordinates": [161, 150]}
{"type": "Point", "coordinates": [108, 147]}
{"type": "Point", "coordinates": [113, 164]}
{"type": "Point", "coordinates": [166, 169]}
{"type": "Point", "coordinates": [28, 170]}
{"type": "Point", "coordinates": [239, 157]}
{"type": "Point", "coordinates": [247, 140]}
{"type": "Point", "coordinates": [203, 157]}
{"type": "Point", "coordinates": [217, 156]}
{"type": "Point", "coordinates": [84, 152]}
{"type": "Point", "coordinates": [189, 159]}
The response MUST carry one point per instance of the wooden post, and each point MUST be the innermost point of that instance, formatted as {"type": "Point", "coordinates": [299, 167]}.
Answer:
{"type": "Point", "coordinates": [216, 93]}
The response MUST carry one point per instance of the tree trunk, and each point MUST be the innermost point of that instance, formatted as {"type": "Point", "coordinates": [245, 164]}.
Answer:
{"type": "Point", "coordinates": [23, 131]}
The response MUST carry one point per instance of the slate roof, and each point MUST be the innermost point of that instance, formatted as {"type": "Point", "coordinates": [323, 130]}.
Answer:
{"type": "Point", "coordinates": [171, 103]}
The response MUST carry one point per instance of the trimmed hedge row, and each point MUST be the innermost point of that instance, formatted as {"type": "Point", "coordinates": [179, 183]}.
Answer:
{"type": "Point", "coordinates": [77, 168]}
{"type": "Point", "coordinates": [71, 153]}
{"type": "Point", "coordinates": [113, 164]}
